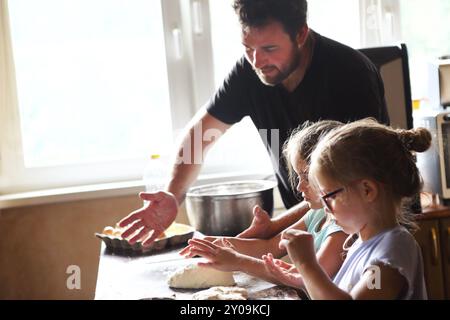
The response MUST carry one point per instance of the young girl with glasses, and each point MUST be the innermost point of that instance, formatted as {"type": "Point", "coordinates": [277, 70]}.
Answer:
{"type": "Point", "coordinates": [364, 172]}
{"type": "Point", "coordinates": [236, 254]}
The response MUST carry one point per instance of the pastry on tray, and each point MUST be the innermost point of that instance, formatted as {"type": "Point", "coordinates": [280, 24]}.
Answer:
{"type": "Point", "coordinates": [175, 235]}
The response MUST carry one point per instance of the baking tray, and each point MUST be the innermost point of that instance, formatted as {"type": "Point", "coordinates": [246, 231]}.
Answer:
{"type": "Point", "coordinates": [176, 235]}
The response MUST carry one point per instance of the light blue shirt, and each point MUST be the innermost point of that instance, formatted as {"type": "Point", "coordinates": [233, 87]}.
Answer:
{"type": "Point", "coordinates": [395, 248]}
{"type": "Point", "coordinates": [313, 219]}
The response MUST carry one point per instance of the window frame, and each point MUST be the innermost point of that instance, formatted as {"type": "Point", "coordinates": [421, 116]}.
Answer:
{"type": "Point", "coordinates": [14, 177]}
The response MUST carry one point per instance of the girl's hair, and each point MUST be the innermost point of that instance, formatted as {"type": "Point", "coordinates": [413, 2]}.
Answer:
{"type": "Point", "coordinates": [302, 142]}
{"type": "Point", "coordinates": [367, 149]}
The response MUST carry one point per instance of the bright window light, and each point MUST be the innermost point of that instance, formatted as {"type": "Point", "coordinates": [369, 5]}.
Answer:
{"type": "Point", "coordinates": [91, 79]}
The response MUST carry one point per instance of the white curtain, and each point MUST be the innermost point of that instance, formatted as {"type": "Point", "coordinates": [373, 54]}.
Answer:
{"type": "Point", "coordinates": [11, 160]}
{"type": "Point", "coordinates": [380, 22]}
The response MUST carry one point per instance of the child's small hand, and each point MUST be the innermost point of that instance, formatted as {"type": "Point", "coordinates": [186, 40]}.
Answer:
{"type": "Point", "coordinates": [220, 241]}
{"type": "Point", "coordinates": [223, 258]}
{"type": "Point", "coordinates": [282, 271]}
{"type": "Point", "coordinates": [299, 245]}
{"type": "Point", "coordinates": [261, 226]}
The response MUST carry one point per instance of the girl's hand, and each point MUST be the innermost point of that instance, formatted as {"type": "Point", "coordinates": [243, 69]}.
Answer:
{"type": "Point", "coordinates": [220, 241]}
{"type": "Point", "coordinates": [261, 226]}
{"type": "Point", "coordinates": [300, 247]}
{"type": "Point", "coordinates": [284, 272]}
{"type": "Point", "coordinates": [223, 258]}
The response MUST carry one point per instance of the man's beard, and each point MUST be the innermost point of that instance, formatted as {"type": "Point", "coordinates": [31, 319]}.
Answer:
{"type": "Point", "coordinates": [281, 74]}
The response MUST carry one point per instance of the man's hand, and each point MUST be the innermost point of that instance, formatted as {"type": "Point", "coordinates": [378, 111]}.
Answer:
{"type": "Point", "coordinates": [261, 226]}
{"type": "Point", "coordinates": [150, 221]}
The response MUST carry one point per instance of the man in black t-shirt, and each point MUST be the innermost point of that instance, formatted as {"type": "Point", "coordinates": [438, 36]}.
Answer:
{"type": "Point", "coordinates": [288, 75]}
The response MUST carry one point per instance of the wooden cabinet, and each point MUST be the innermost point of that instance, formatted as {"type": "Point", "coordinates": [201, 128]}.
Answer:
{"type": "Point", "coordinates": [445, 249]}
{"type": "Point", "coordinates": [428, 239]}
{"type": "Point", "coordinates": [434, 240]}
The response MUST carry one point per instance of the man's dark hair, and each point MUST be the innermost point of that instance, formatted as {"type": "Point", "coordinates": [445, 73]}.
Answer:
{"type": "Point", "coordinates": [256, 13]}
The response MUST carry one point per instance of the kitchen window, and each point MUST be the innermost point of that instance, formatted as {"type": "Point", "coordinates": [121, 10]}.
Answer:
{"type": "Point", "coordinates": [91, 80]}
{"type": "Point", "coordinates": [426, 31]}
{"type": "Point", "coordinates": [90, 88]}
{"type": "Point", "coordinates": [95, 87]}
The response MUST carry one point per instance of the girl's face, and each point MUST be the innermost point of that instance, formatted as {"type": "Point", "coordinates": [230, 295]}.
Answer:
{"type": "Point", "coordinates": [343, 203]}
{"type": "Point", "coordinates": [300, 167]}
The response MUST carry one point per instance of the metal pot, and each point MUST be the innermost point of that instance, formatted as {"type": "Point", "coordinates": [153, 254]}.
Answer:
{"type": "Point", "coordinates": [226, 209]}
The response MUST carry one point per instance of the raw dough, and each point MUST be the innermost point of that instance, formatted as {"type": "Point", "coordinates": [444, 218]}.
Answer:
{"type": "Point", "coordinates": [194, 277]}
{"type": "Point", "coordinates": [221, 293]}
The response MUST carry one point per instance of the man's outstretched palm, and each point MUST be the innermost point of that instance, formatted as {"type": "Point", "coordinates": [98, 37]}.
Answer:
{"type": "Point", "coordinates": [151, 220]}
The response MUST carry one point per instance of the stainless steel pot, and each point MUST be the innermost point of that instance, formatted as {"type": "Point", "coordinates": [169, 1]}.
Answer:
{"type": "Point", "coordinates": [226, 209]}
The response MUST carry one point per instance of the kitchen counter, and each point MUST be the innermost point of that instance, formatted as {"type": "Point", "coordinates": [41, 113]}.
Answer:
{"type": "Point", "coordinates": [434, 212]}
{"type": "Point", "coordinates": [145, 277]}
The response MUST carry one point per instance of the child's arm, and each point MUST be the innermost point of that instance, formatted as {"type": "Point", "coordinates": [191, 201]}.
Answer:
{"type": "Point", "coordinates": [319, 285]}
{"type": "Point", "coordinates": [263, 227]}
{"type": "Point", "coordinates": [257, 247]}
{"type": "Point", "coordinates": [300, 247]}
{"type": "Point", "coordinates": [252, 247]}
{"type": "Point", "coordinates": [227, 259]}
{"type": "Point", "coordinates": [390, 286]}
{"type": "Point", "coordinates": [329, 257]}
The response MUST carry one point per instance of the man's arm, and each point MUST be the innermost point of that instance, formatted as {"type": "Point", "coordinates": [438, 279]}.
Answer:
{"type": "Point", "coordinates": [204, 130]}
{"type": "Point", "coordinates": [148, 222]}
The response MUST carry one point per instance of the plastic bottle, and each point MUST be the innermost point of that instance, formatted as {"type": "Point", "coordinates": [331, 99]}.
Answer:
{"type": "Point", "coordinates": [155, 174]}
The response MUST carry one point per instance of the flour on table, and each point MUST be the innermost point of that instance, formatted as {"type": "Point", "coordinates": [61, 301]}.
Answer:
{"type": "Point", "coordinates": [221, 293]}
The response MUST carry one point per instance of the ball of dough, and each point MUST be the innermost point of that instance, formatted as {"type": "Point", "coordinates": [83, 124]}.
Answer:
{"type": "Point", "coordinates": [195, 277]}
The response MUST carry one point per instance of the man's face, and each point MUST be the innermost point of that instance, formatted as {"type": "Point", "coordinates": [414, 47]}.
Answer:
{"type": "Point", "coordinates": [271, 52]}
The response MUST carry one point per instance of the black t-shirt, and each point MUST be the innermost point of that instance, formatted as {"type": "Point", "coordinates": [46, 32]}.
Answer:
{"type": "Point", "coordinates": [340, 84]}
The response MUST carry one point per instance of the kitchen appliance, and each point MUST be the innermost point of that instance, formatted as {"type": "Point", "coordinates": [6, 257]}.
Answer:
{"type": "Point", "coordinates": [226, 209]}
{"type": "Point", "coordinates": [434, 164]}
{"type": "Point", "coordinates": [438, 83]}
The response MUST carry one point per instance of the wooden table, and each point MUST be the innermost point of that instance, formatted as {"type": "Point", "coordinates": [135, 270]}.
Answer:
{"type": "Point", "coordinates": [145, 277]}
{"type": "Point", "coordinates": [131, 278]}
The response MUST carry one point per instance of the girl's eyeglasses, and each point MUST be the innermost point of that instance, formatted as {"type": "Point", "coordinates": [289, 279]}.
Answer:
{"type": "Point", "coordinates": [331, 194]}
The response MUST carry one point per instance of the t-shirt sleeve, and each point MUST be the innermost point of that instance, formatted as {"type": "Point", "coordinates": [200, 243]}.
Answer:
{"type": "Point", "coordinates": [330, 229]}
{"type": "Point", "coordinates": [231, 102]}
{"type": "Point", "coordinates": [400, 252]}
{"type": "Point", "coordinates": [308, 218]}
